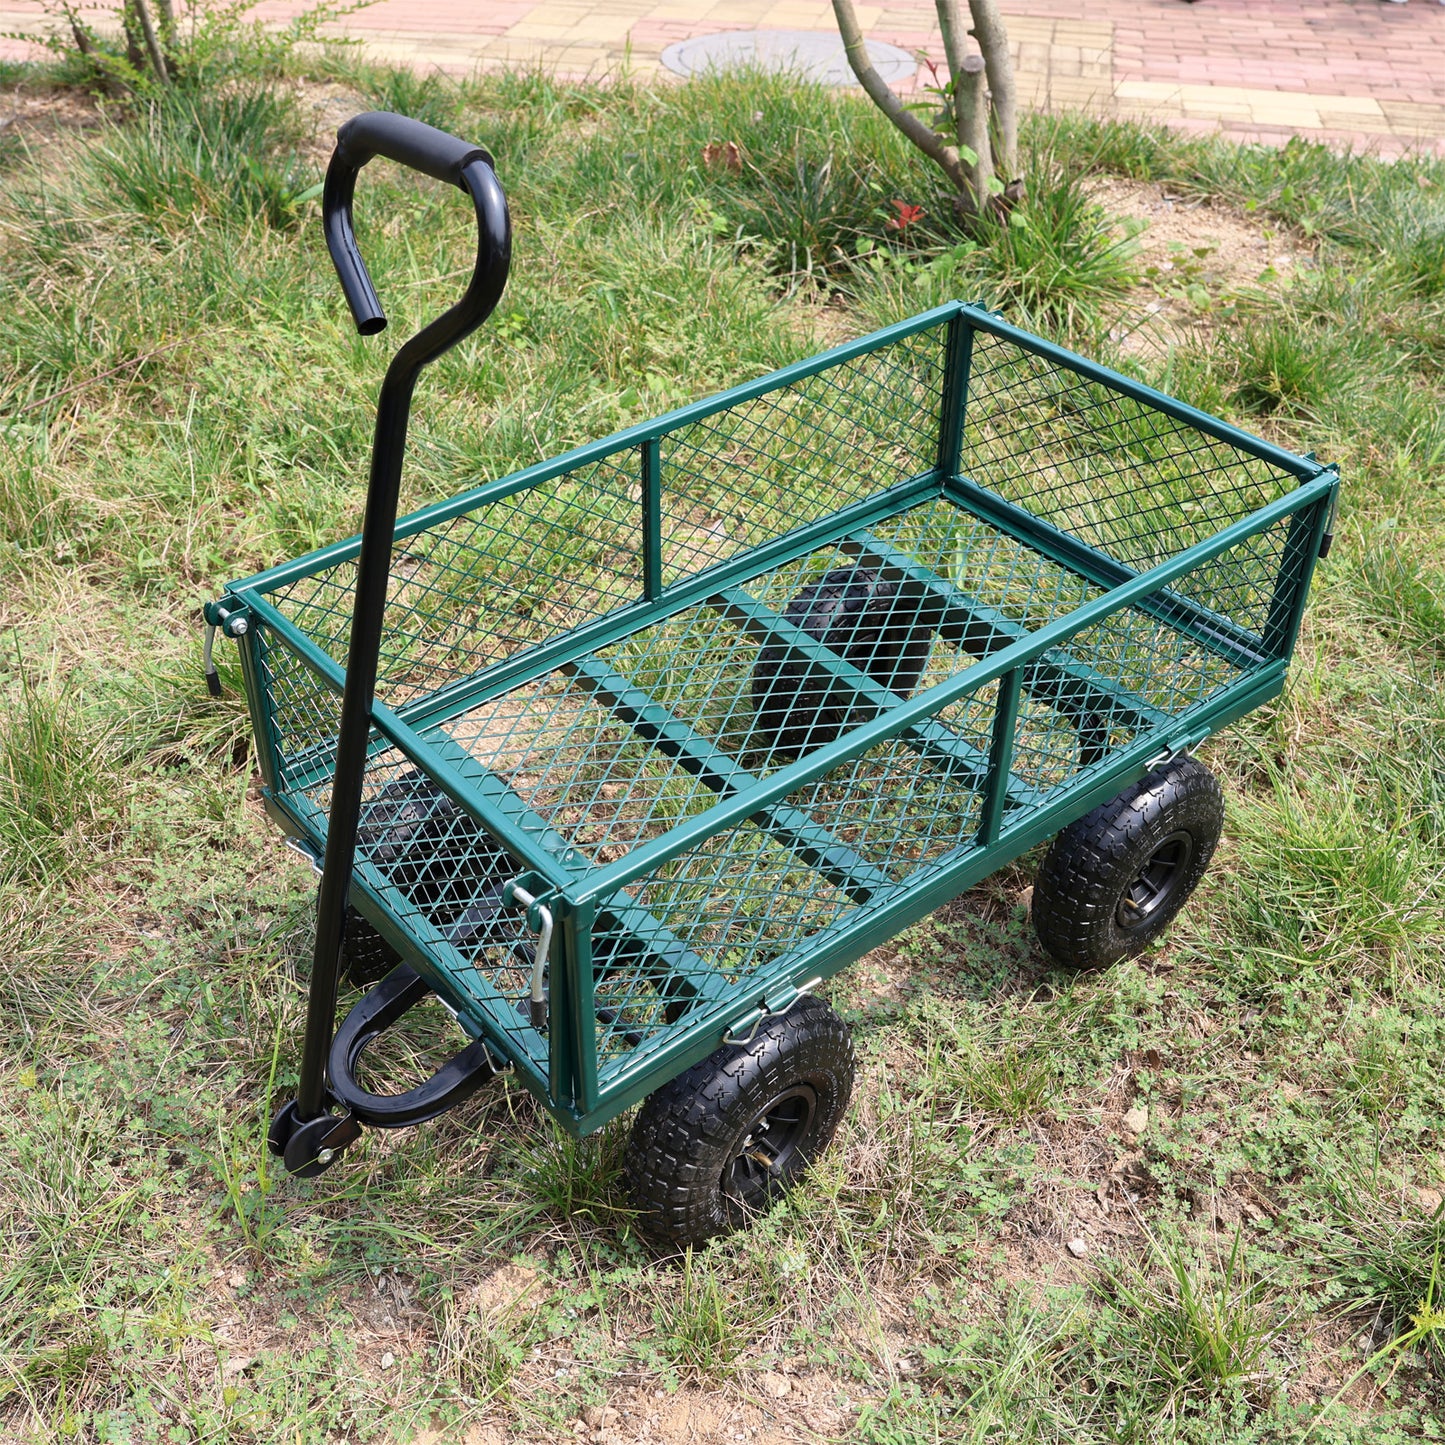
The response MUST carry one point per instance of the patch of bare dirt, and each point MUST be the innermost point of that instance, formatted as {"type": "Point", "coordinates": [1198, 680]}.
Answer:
{"type": "Point", "coordinates": [327, 106]}
{"type": "Point", "coordinates": [787, 1405]}
{"type": "Point", "coordinates": [1195, 256]}
{"type": "Point", "coordinates": [821, 324]}
{"type": "Point", "coordinates": [35, 114]}
{"type": "Point", "coordinates": [779, 1406]}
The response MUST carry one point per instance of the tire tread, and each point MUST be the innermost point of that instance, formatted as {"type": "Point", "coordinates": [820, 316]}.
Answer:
{"type": "Point", "coordinates": [682, 1133]}
{"type": "Point", "coordinates": [1079, 883]}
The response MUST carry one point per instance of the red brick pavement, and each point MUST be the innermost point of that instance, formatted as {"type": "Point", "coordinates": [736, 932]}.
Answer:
{"type": "Point", "coordinates": [1358, 71]}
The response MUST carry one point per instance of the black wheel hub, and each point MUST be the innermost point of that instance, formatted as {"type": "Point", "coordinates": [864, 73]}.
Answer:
{"type": "Point", "coordinates": [1157, 883]}
{"type": "Point", "coordinates": [768, 1150]}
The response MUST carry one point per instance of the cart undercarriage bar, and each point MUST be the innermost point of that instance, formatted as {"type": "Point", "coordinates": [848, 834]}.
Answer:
{"type": "Point", "coordinates": [969, 625]}
{"type": "Point", "coordinates": [936, 743]}
{"type": "Point", "coordinates": [792, 827]}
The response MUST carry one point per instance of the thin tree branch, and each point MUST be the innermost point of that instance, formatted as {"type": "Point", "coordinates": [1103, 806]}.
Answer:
{"type": "Point", "coordinates": [134, 42]}
{"type": "Point", "coordinates": [928, 141]}
{"type": "Point", "coordinates": [954, 50]}
{"type": "Point", "coordinates": [77, 29]}
{"type": "Point", "coordinates": [166, 11]}
{"type": "Point", "coordinates": [153, 45]}
{"type": "Point", "coordinates": [970, 112]}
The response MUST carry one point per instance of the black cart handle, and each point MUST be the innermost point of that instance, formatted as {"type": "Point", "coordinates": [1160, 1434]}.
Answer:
{"type": "Point", "coordinates": [434, 153]}
{"type": "Point", "coordinates": [445, 158]}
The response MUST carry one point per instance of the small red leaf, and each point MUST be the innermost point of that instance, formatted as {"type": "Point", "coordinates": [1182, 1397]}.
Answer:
{"type": "Point", "coordinates": [906, 216]}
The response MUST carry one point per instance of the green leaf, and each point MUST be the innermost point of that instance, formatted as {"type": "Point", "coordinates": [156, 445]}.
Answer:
{"type": "Point", "coordinates": [968, 155]}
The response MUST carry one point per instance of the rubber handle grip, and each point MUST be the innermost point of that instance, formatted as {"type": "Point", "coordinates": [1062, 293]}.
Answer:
{"type": "Point", "coordinates": [434, 153]}
{"type": "Point", "coordinates": [408, 142]}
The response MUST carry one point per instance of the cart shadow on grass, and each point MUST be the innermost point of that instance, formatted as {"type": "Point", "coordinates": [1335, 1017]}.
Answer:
{"type": "Point", "coordinates": [620, 756]}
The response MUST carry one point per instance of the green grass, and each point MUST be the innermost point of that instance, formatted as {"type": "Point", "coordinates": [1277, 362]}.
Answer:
{"type": "Point", "coordinates": [182, 401]}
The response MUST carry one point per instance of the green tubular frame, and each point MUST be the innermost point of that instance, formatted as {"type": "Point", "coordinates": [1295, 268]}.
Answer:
{"type": "Point", "coordinates": [995, 652]}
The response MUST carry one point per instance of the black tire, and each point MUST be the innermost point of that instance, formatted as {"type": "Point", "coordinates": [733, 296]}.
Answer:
{"type": "Point", "coordinates": [438, 858]}
{"type": "Point", "coordinates": [424, 845]}
{"type": "Point", "coordinates": [694, 1166]}
{"type": "Point", "coordinates": [366, 957]}
{"type": "Point", "coordinates": [864, 618]}
{"type": "Point", "coordinates": [1115, 880]}
{"type": "Point", "coordinates": [435, 854]}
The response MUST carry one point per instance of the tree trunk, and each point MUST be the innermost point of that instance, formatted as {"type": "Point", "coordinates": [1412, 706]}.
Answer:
{"type": "Point", "coordinates": [988, 28]}
{"type": "Point", "coordinates": [945, 156]}
{"type": "Point", "coordinates": [970, 110]}
{"type": "Point", "coordinates": [135, 52]}
{"type": "Point", "coordinates": [153, 45]}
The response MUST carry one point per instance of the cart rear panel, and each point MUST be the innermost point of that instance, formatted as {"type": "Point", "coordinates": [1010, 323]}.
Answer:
{"type": "Point", "coordinates": [1103, 573]}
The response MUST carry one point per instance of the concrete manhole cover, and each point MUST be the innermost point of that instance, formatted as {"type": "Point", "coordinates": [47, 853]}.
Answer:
{"type": "Point", "coordinates": [815, 54]}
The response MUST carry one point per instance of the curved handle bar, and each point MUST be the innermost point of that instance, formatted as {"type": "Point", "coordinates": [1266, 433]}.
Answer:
{"type": "Point", "coordinates": [446, 158]}
{"type": "Point", "coordinates": [434, 153]}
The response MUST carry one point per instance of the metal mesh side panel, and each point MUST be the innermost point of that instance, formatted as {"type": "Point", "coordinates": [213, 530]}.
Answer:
{"type": "Point", "coordinates": [1128, 480]}
{"type": "Point", "coordinates": [764, 467]}
{"type": "Point", "coordinates": [484, 586]}
{"type": "Point", "coordinates": [304, 712]}
{"type": "Point", "coordinates": [432, 863]}
{"type": "Point", "coordinates": [1133, 662]}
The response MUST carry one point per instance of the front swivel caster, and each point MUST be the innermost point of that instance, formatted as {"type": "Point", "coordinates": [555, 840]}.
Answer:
{"type": "Point", "coordinates": [310, 1147]}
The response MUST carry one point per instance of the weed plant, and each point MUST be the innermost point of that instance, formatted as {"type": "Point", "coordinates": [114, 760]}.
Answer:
{"type": "Point", "coordinates": [182, 400]}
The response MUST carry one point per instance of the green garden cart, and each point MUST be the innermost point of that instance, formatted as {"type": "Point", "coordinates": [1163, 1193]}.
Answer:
{"type": "Point", "coordinates": [621, 755]}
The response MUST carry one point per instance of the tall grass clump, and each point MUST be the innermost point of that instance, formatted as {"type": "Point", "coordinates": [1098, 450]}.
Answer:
{"type": "Point", "coordinates": [1061, 260]}
{"type": "Point", "coordinates": [1061, 264]}
{"type": "Point", "coordinates": [1296, 371]}
{"type": "Point", "coordinates": [1402, 588]}
{"type": "Point", "coordinates": [433, 99]}
{"type": "Point", "coordinates": [1192, 1328]}
{"type": "Point", "coordinates": [55, 787]}
{"type": "Point", "coordinates": [1344, 868]}
{"type": "Point", "coordinates": [806, 211]}
{"type": "Point", "coordinates": [196, 155]}
{"type": "Point", "coordinates": [702, 1321]}
{"type": "Point", "coordinates": [32, 511]}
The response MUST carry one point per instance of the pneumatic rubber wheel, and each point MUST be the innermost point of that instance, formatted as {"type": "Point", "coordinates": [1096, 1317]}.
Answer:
{"type": "Point", "coordinates": [720, 1143]}
{"type": "Point", "coordinates": [437, 858]}
{"type": "Point", "coordinates": [865, 619]}
{"type": "Point", "coordinates": [366, 957]}
{"type": "Point", "coordinates": [1115, 880]}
